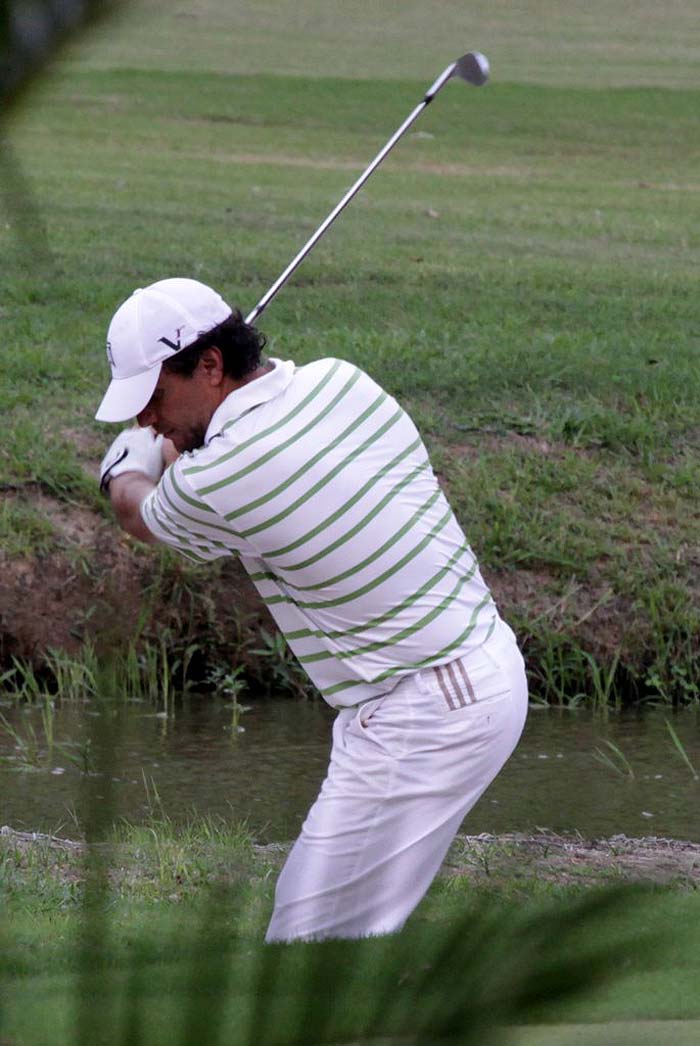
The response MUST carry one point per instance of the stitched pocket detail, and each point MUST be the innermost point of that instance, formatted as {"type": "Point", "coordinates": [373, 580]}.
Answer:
{"type": "Point", "coordinates": [460, 685]}
{"type": "Point", "coordinates": [455, 685]}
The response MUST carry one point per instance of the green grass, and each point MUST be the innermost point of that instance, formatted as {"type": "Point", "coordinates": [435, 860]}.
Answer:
{"type": "Point", "coordinates": [149, 864]}
{"type": "Point", "coordinates": [24, 530]}
{"type": "Point", "coordinates": [534, 42]}
{"type": "Point", "coordinates": [521, 274]}
{"type": "Point", "coordinates": [619, 1033]}
{"type": "Point", "coordinates": [153, 938]}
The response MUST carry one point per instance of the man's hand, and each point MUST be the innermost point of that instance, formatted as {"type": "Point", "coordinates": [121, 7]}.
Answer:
{"type": "Point", "coordinates": [134, 450]}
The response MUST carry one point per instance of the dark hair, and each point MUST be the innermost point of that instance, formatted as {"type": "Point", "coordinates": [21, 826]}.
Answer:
{"type": "Point", "coordinates": [240, 345]}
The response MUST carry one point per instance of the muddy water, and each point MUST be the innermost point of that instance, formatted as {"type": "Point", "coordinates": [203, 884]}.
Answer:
{"type": "Point", "coordinates": [271, 772]}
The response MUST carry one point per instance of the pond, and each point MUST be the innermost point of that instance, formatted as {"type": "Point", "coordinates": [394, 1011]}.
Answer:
{"type": "Point", "coordinates": [198, 764]}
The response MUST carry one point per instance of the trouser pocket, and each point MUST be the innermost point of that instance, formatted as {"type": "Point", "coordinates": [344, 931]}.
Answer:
{"type": "Point", "coordinates": [478, 678]}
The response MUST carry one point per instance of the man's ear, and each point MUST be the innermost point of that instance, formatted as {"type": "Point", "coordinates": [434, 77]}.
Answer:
{"type": "Point", "coordinates": [212, 364]}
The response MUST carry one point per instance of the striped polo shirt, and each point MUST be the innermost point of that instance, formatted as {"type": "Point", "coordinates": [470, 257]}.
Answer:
{"type": "Point", "coordinates": [318, 480]}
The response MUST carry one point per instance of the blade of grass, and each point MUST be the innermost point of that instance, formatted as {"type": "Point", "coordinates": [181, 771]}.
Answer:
{"type": "Point", "coordinates": [680, 748]}
{"type": "Point", "coordinates": [622, 766]}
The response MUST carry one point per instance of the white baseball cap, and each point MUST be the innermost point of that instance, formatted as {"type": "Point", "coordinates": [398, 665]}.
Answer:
{"type": "Point", "coordinates": [153, 324]}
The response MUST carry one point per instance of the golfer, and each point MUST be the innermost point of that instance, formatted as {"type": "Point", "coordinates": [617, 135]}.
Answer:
{"type": "Point", "coordinates": [318, 480]}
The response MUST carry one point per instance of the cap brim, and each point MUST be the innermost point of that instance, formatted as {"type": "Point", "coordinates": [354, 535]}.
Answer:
{"type": "Point", "coordinates": [126, 397]}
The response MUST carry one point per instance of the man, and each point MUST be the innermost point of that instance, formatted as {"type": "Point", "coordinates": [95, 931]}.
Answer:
{"type": "Point", "coordinates": [318, 480]}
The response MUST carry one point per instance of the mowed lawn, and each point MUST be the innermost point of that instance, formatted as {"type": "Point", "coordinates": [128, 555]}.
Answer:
{"type": "Point", "coordinates": [197, 971]}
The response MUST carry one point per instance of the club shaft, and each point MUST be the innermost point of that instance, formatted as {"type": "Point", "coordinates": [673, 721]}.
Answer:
{"type": "Point", "coordinates": [310, 243]}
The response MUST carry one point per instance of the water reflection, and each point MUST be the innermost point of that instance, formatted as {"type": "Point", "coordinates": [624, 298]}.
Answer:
{"type": "Point", "coordinates": [271, 772]}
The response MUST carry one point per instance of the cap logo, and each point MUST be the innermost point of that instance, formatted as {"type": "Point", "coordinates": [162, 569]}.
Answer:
{"type": "Point", "coordinates": [110, 356]}
{"type": "Point", "coordinates": [175, 346]}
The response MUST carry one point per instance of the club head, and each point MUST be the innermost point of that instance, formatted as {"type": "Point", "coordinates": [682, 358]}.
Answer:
{"type": "Point", "coordinates": [473, 67]}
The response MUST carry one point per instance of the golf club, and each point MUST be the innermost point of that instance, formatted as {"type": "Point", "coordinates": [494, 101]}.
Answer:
{"type": "Point", "coordinates": [472, 67]}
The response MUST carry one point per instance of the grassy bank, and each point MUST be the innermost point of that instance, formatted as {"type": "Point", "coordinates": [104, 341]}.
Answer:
{"type": "Point", "coordinates": [521, 274]}
{"type": "Point", "coordinates": [164, 928]}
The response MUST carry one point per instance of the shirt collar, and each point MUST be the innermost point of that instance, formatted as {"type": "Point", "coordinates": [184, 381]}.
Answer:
{"type": "Point", "coordinates": [255, 392]}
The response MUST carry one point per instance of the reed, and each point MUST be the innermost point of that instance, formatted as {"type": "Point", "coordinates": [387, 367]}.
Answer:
{"type": "Point", "coordinates": [614, 759]}
{"type": "Point", "coordinates": [680, 748]}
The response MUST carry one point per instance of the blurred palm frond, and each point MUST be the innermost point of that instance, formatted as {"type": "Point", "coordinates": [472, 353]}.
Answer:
{"type": "Point", "coordinates": [439, 984]}
{"type": "Point", "coordinates": [32, 32]}
{"type": "Point", "coordinates": [462, 983]}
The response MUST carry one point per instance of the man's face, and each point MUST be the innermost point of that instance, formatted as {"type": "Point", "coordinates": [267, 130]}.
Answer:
{"type": "Point", "coordinates": [181, 408]}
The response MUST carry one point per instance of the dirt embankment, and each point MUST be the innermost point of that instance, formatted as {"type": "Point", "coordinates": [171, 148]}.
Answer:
{"type": "Point", "coordinates": [569, 860]}
{"type": "Point", "coordinates": [88, 582]}
{"type": "Point", "coordinates": [92, 583]}
{"type": "Point", "coordinates": [487, 860]}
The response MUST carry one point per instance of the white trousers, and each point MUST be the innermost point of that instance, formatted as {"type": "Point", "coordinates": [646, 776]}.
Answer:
{"type": "Point", "coordinates": [405, 768]}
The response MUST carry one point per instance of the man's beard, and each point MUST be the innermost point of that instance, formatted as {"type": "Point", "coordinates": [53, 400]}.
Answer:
{"type": "Point", "coordinates": [193, 439]}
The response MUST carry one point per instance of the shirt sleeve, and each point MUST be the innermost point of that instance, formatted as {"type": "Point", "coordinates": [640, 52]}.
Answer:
{"type": "Point", "coordinates": [177, 516]}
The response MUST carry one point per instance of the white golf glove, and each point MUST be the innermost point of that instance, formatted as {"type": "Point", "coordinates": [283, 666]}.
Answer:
{"type": "Point", "coordinates": [134, 450]}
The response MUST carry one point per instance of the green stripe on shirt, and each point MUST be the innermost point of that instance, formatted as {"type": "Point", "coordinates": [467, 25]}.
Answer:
{"type": "Point", "coordinates": [425, 662]}
{"type": "Point", "coordinates": [306, 467]}
{"type": "Point", "coordinates": [348, 535]}
{"type": "Point", "coordinates": [280, 447]}
{"type": "Point", "coordinates": [347, 505]}
{"type": "Point", "coordinates": [321, 483]}
{"type": "Point", "coordinates": [241, 447]}
{"type": "Point", "coordinates": [327, 582]}
{"type": "Point", "coordinates": [358, 593]}
{"type": "Point", "coordinates": [398, 637]}
{"type": "Point", "coordinates": [308, 633]}
{"type": "Point", "coordinates": [192, 519]}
